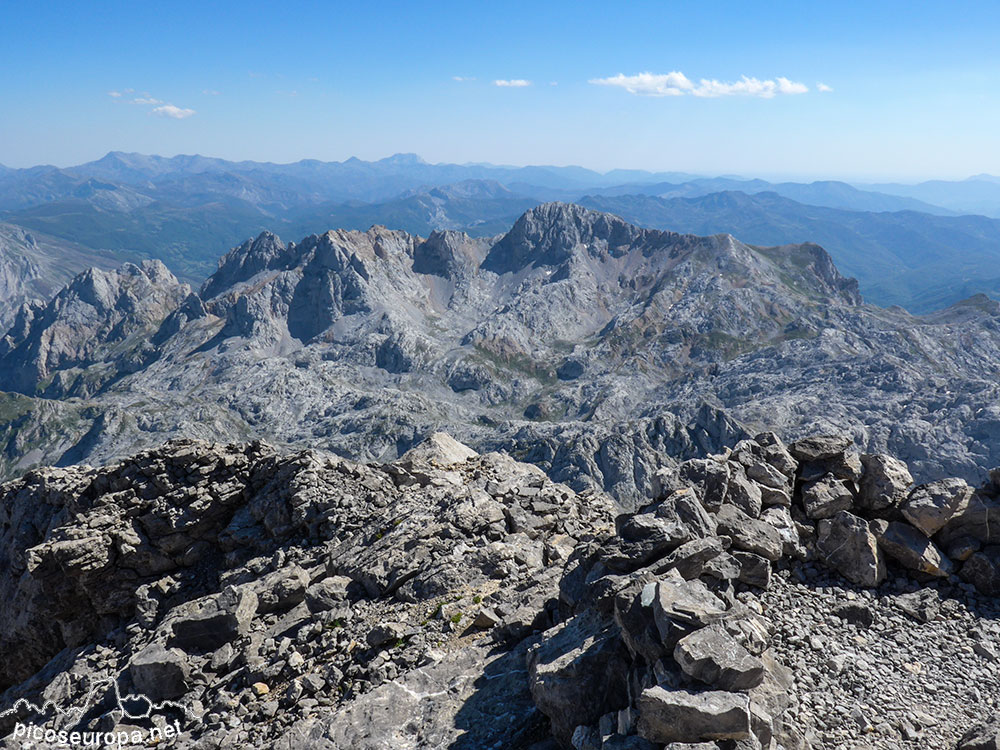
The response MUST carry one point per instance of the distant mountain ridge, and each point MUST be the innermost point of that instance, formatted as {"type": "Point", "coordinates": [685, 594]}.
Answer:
{"type": "Point", "coordinates": [916, 260]}
{"type": "Point", "coordinates": [180, 210]}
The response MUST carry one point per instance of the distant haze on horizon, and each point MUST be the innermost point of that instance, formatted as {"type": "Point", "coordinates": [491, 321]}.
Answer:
{"type": "Point", "coordinates": [859, 180]}
{"type": "Point", "coordinates": [863, 92]}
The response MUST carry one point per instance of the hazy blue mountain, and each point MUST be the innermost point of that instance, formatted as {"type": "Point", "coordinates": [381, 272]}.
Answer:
{"type": "Point", "coordinates": [223, 209]}
{"type": "Point", "coordinates": [979, 194]}
{"type": "Point", "coordinates": [478, 207]}
{"type": "Point", "coordinates": [920, 261]}
{"type": "Point", "coordinates": [828, 193]}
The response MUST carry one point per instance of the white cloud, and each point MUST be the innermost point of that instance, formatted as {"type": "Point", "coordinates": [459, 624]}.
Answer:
{"type": "Point", "coordinates": [514, 83]}
{"type": "Point", "coordinates": [676, 83]}
{"type": "Point", "coordinates": [211, 92]}
{"type": "Point", "coordinates": [176, 113]}
{"type": "Point", "coordinates": [463, 79]}
{"type": "Point", "coordinates": [823, 87]}
{"type": "Point", "coordinates": [115, 94]}
{"type": "Point", "coordinates": [147, 100]}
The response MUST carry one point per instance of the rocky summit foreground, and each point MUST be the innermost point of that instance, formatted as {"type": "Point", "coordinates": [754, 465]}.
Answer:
{"type": "Point", "coordinates": [230, 596]}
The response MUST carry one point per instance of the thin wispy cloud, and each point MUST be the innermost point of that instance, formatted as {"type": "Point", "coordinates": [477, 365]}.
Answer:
{"type": "Point", "coordinates": [513, 83]}
{"type": "Point", "coordinates": [211, 92]}
{"type": "Point", "coordinates": [175, 113]}
{"type": "Point", "coordinates": [463, 79]}
{"type": "Point", "coordinates": [155, 106]}
{"type": "Point", "coordinates": [823, 87]}
{"type": "Point", "coordinates": [676, 83]}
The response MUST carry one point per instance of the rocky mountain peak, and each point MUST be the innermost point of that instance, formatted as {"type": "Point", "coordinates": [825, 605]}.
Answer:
{"type": "Point", "coordinates": [448, 253]}
{"type": "Point", "coordinates": [100, 314]}
{"type": "Point", "coordinates": [549, 234]}
{"type": "Point", "coordinates": [265, 252]}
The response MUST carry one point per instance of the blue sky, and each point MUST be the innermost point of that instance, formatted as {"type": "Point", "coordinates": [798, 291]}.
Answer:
{"type": "Point", "coordinates": [915, 88]}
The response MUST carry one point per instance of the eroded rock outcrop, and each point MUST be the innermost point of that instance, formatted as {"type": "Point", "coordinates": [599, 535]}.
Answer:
{"type": "Point", "coordinates": [464, 600]}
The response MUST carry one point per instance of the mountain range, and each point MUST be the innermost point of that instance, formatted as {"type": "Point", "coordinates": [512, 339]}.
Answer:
{"type": "Point", "coordinates": [920, 261]}
{"type": "Point", "coordinates": [589, 346]}
{"type": "Point", "coordinates": [130, 207]}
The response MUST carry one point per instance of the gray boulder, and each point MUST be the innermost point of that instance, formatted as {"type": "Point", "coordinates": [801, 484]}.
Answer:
{"type": "Point", "coordinates": [911, 549]}
{"type": "Point", "coordinates": [208, 624]}
{"type": "Point", "coordinates": [578, 674]}
{"type": "Point", "coordinates": [680, 606]}
{"type": "Point", "coordinates": [743, 492]}
{"type": "Point", "coordinates": [281, 589]}
{"type": "Point", "coordinates": [826, 497]}
{"type": "Point", "coordinates": [982, 570]}
{"type": "Point", "coordinates": [930, 506]}
{"type": "Point", "coordinates": [820, 447]}
{"type": "Point", "coordinates": [884, 482]}
{"type": "Point", "coordinates": [710, 479]}
{"type": "Point", "coordinates": [683, 716]}
{"type": "Point", "coordinates": [749, 534]}
{"type": "Point", "coordinates": [846, 543]}
{"type": "Point", "coordinates": [159, 673]}
{"type": "Point", "coordinates": [716, 658]}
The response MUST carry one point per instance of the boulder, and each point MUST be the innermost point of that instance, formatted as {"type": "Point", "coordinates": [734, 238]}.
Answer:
{"type": "Point", "coordinates": [646, 537]}
{"type": "Point", "coordinates": [680, 606]}
{"type": "Point", "coordinates": [708, 477]}
{"type": "Point", "coordinates": [438, 449]}
{"type": "Point", "coordinates": [978, 519]}
{"type": "Point", "coordinates": [775, 452]}
{"type": "Point", "coordinates": [743, 492]}
{"type": "Point", "coordinates": [826, 497]}
{"type": "Point", "coordinates": [984, 736]}
{"type": "Point", "coordinates": [578, 674]}
{"type": "Point", "coordinates": [691, 557]}
{"type": "Point", "coordinates": [982, 570]}
{"type": "Point", "coordinates": [208, 624]}
{"type": "Point", "coordinates": [754, 569]}
{"type": "Point", "coordinates": [159, 673]}
{"type": "Point", "coordinates": [634, 617]}
{"type": "Point", "coordinates": [930, 506]}
{"type": "Point", "coordinates": [884, 482]}
{"type": "Point", "coordinates": [329, 593]}
{"type": "Point", "coordinates": [911, 549]}
{"type": "Point", "coordinates": [716, 658]}
{"type": "Point", "coordinates": [684, 716]}
{"type": "Point", "coordinates": [385, 633]}
{"type": "Point", "coordinates": [749, 534]}
{"type": "Point", "coordinates": [820, 447]}
{"type": "Point", "coordinates": [281, 589]}
{"type": "Point", "coordinates": [846, 543]}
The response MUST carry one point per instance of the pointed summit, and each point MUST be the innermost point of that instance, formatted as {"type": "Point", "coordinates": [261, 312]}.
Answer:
{"type": "Point", "coordinates": [548, 234]}
{"type": "Point", "coordinates": [243, 262]}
